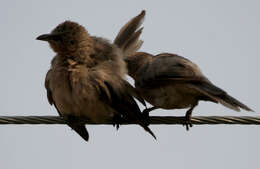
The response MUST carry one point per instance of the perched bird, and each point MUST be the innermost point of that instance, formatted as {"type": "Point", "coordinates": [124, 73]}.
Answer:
{"type": "Point", "coordinates": [86, 79]}
{"type": "Point", "coordinates": [169, 81]}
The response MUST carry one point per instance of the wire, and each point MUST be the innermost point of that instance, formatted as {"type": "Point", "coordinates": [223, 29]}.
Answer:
{"type": "Point", "coordinates": [156, 120]}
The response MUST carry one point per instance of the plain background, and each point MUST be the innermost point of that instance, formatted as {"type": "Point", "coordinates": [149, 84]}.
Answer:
{"type": "Point", "coordinates": [222, 37]}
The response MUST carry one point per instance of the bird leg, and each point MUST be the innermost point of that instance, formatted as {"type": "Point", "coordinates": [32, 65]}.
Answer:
{"type": "Point", "coordinates": [188, 123]}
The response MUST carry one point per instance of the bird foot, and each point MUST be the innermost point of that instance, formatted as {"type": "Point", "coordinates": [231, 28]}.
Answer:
{"type": "Point", "coordinates": [187, 122]}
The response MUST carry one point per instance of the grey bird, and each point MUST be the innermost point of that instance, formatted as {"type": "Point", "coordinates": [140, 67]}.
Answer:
{"type": "Point", "coordinates": [86, 79]}
{"type": "Point", "coordinates": [169, 81]}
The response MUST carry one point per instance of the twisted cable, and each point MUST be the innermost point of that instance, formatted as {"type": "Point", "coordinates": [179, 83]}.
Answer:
{"type": "Point", "coordinates": [156, 120]}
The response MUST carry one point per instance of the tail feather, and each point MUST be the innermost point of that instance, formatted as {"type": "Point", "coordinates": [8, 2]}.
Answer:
{"type": "Point", "coordinates": [219, 95]}
{"type": "Point", "coordinates": [128, 37]}
{"type": "Point", "coordinates": [81, 130]}
{"type": "Point", "coordinates": [146, 128]}
{"type": "Point", "coordinates": [133, 44]}
{"type": "Point", "coordinates": [235, 103]}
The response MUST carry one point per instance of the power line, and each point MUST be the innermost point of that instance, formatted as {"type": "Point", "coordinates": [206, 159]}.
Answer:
{"type": "Point", "coordinates": [155, 120]}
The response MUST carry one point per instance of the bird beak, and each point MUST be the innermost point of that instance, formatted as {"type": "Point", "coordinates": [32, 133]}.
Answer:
{"type": "Point", "coordinates": [48, 37]}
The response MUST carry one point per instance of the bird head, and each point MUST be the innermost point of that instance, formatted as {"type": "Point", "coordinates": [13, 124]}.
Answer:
{"type": "Point", "coordinates": [67, 37]}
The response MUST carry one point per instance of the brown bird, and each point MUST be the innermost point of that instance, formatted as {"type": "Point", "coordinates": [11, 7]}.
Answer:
{"type": "Point", "coordinates": [170, 81]}
{"type": "Point", "coordinates": [86, 79]}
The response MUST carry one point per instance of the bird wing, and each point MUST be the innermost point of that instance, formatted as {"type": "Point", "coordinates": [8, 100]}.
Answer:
{"type": "Point", "coordinates": [168, 68]}
{"type": "Point", "coordinates": [113, 91]}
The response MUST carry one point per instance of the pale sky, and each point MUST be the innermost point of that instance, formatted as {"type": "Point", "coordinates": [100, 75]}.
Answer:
{"type": "Point", "coordinates": [222, 37]}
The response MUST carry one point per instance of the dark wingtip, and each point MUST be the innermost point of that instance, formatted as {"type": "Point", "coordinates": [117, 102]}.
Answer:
{"type": "Point", "coordinates": [146, 128]}
{"type": "Point", "coordinates": [247, 109]}
{"type": "Point", "coordinates": [237, 103]}
{"type": "Point", "coordinates": [150, 131]}
{"type": "Point", "coordinates": [81, 130]}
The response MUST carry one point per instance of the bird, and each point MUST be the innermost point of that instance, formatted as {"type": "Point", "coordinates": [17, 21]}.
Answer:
{"type": "Point", "coordinates": [170, 81]}
{"type": "Point", "coordinates": [167, 80]}
{"type": "Point", "coordinates": [86, 79]}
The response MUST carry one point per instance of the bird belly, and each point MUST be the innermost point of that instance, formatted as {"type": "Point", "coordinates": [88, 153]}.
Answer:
{"type": "Point", "coordinates": [62, 99]}
{"type": "Point", "coordinates": [69, 104]}
{"type": "Point", "coordinates": [62, 93]}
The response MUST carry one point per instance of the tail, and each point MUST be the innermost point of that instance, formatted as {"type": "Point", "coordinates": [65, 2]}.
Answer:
{"type": "Point", "coordinates": [220, 96]}
{"type": "Point", "coordinates": [81, 130]}
{"type": "Point", "coordinates": [128, 37]}
{"type": "Point", "coordinates": [142, 121]}
{"type": "Point", "coordinates": [146, 128]}
{"type": "Point", "coordinates": [72, 122]}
